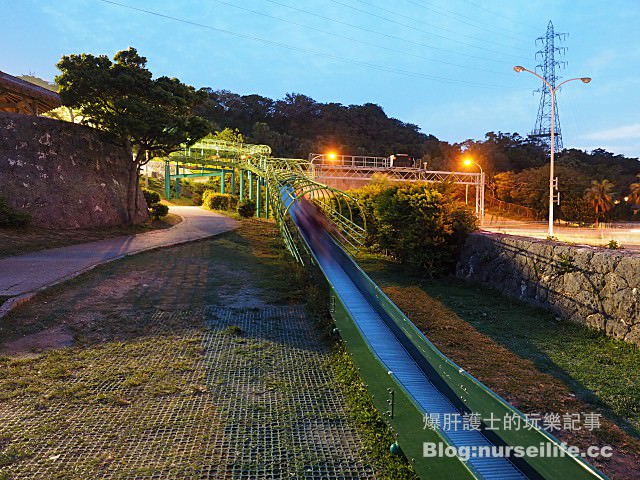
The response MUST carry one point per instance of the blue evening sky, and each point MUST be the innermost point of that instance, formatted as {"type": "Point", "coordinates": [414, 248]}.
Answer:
{"type": "Point", "coordinates": [445, 65]}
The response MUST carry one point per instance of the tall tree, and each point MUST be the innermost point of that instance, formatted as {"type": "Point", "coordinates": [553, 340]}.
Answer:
{"type": "Point", "coordinates": [634, 196]}
{"type": "Point", "coordinates": [151, 116]}
{"type": "Point", "coordinates": [599, 196]}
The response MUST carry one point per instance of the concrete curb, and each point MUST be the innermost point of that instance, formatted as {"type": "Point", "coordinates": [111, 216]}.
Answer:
{"type": "Point", "coordinates": [18, 300]}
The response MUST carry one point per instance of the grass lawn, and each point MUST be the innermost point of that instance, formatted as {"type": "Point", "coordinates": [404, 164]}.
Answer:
{"type": "Point", "coordinates": [112, 374]}
{"type": "Point", "coordinates": [538, 364]}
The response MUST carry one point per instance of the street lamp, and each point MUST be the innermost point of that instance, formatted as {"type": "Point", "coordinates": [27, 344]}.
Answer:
{"type": "Point", "coordinates": [553, 91]}
{"type": "Point", "coordinates": [479, 201]}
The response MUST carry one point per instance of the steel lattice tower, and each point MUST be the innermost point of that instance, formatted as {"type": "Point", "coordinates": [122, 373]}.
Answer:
{"type": "Point", "coordinates": [547, 68]}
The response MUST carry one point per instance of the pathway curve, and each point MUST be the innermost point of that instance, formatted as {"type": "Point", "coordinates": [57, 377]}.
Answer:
{"type": "Point", "coordinates": [31, 272]}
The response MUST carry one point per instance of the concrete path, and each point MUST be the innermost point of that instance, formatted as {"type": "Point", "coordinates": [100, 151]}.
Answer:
{"type": "Point", "coordinates": [24, 274]}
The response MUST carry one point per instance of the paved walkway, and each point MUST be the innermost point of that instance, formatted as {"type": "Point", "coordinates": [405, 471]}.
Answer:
{"type": "Point", "coordinates": [24, 274]}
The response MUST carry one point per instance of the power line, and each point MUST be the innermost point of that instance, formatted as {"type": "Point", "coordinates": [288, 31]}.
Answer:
{"type": "Point", "coordinates": [455, 14]}
{"type": "Point", "coordinates": [434, 26]}
{"type": "Point", "coordinates": [402, 52]}
{"type": "Point", "coordinates": [531, 27]}
{"type": "Point", "coordinates": [350, 25]}
{"type": "Point", "coordinates": [418, 29]}
{"type": "Point", "coordinates": [309, 51]}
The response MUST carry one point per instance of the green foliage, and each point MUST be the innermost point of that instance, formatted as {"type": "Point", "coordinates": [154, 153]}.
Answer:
{"type": "Point", "coordinates": [417, 223]}
{"type": "Point", "coordinates": [159, 210]}
{"type": "Point", "coordinates": [229, 135]}
{"type": "Point", "coordinates": [150, 196]}
{"type": "Point", "coordinates": [153, 116]}
{"type": "Point", "coordinates": [565, 264]}
{"type": "Point", "coordinates": [121, 97]}
{"type": "Point", "coordinates": [156, 209]}
{"type": "Point", "coordinates": [9, 217]}
{"type": "Point", "coordinates": [218, 201]}
{"type": "Point", "coordinates": [247, 208]}
{"type": "Point", "coordinates": [599, 196]}
{"type": "Point", "coordinates": [613, 245]}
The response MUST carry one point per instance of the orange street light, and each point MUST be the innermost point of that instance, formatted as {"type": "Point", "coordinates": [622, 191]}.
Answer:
{"type": "Point", "coordinates": [331, 155]}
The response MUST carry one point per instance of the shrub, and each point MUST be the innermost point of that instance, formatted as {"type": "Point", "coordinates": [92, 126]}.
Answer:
{"type": "Point", "coordinates": [419, 224]}
{"type": "Point", "coordinates": [159, 210]}
{"type": "Point", "coordinates": [613, 245]}
{"type": "Point", "coordinates": [150, 197]}
{"type": "Point", "coordinates": [218, 201]}
{"type": "Point", "coordinates": [156, 209]}
{"type": "Point", "coordinates": [247, 208]}
{"type": "Point", "coordinates": [196, 198]}
{"type": "Point", "coordinates": [9, 217]}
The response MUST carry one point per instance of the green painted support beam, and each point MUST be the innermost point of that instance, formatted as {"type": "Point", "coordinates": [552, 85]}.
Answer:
{"type": "Point", "coordinates": [221, 181]}
{"type": "Point", "coordinates": [266, 200]}
{"type": "Point", "coordinates": [177, 180]}
{"type": "Point", "coordinates": [250, 185]}
{"type": "Point", "coordinates": [197, 175]}
{"type": "Point", "coordinates": [258, 195]}
{"type": "Point", "coordinates": [167, 180]}
{"type": "Point", "coordinates": [233, 181]}
{"type": "Point", "coordinates": [241, 172]}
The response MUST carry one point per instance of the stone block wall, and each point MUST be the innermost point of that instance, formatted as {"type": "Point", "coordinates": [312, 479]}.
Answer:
{"type": "Point", "coordinates": [588, 285]}
{"type": "Point", "coordinates": [64, 175]}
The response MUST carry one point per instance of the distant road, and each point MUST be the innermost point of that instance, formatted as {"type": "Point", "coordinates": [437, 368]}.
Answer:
{"type": "Point", "coordinates": [626, 234]}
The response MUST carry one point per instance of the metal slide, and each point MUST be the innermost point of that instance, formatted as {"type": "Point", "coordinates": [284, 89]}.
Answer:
{"type": "Point", "coordinates": [408, 378]}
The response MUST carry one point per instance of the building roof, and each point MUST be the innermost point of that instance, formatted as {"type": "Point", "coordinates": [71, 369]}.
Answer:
{"type": "Point", "coordinates": [20, 96]}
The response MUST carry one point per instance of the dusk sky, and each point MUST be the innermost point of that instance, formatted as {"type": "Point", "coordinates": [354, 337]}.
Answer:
{"type": "Point", "coordinates": [445, 65]}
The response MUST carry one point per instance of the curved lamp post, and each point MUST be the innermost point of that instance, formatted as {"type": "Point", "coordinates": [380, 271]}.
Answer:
{"type": "Point", "coordinates": [479, 201]}
{"type": "Point", "coordinates": [553, 91]}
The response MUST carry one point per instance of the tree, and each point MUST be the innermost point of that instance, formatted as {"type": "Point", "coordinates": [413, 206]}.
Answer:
{"type": "Point", "coordinates": [229, 135]}
{"type": "Point", "coordinates": [420, 224]}
{"type": "Point", "coordinates": [599, 196]}
{"type": "Point", "coordinates": [150, 116]}
{"type": "Point", "coordinates": [634, 196]}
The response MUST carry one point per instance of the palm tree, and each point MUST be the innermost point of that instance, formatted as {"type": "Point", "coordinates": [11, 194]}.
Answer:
{"type": "Point", "coordinates": [634, 196]}
{"type": "Point", "coordinates": [599, 196]}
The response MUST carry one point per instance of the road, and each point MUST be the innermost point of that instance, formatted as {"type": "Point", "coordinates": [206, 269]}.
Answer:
{"type": "Point", "coordinates": [626, 234]}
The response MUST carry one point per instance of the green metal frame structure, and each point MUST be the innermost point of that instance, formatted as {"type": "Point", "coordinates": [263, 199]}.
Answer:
{"type": "Point", "coordinates": [266, 177]}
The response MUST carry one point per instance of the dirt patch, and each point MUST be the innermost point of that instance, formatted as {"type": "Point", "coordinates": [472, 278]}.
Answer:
{"type": "Point", "coordinates": [55, 337]}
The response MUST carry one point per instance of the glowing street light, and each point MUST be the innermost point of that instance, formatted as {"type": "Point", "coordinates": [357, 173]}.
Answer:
{"type": "Point", "coordinates": [553, 91]}
{"type": "Point", "coordinates": [467, 162]}
{"type": "Point", "coordinates": [331, 156]}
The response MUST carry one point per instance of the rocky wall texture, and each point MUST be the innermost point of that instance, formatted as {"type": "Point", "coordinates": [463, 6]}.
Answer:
{"type": "Point", "coordinates": [64, 175]}
{"type": "Point", "coordinates": [588, 285]}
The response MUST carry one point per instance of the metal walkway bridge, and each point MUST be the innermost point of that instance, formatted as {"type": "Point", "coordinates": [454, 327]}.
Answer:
{"type": "Point", "coordinates": [408, 379]}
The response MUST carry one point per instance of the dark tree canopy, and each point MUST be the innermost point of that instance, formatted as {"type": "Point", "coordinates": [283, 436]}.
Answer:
{"type": "Point", "coordinates": [121, 97]}
{"type": "Point", "coordinates": [297, 125]}
{"type": "Point", "coordinates": [153, 116]}
{"type": "Point", "coordinates": [517, 166]}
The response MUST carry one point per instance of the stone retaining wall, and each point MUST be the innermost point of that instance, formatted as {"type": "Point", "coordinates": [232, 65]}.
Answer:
{"type": "Point", "coordinates": [64, 175]}
{"type": "Point", "coordinates": [588, 285]}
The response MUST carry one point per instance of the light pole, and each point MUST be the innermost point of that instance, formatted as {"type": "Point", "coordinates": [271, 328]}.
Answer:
{"type": "Point", "coordinates": [479, 192]}
{"type": "Point", "coordinates": [553, 91]}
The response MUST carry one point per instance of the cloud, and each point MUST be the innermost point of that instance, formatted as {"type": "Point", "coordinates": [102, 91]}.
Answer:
{"type": "Point", "coordinates": [625, 132]}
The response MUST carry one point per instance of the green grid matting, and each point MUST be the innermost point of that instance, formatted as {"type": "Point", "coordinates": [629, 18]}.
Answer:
{"type": "Point", "coordinates": [250, 396]}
